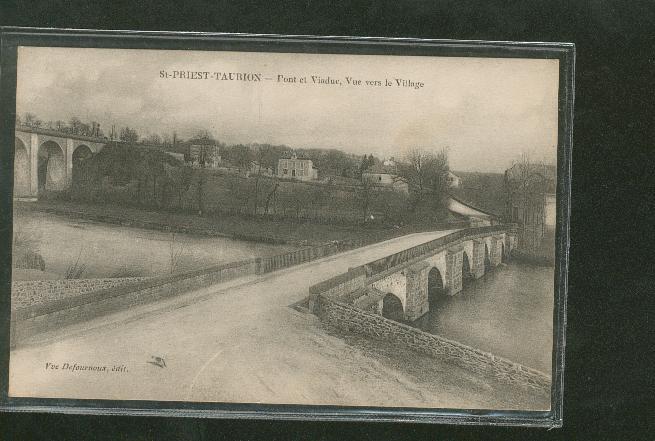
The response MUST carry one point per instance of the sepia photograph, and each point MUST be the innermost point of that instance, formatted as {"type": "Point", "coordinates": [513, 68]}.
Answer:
{"type": "Point", "coordinates": [285, 228]}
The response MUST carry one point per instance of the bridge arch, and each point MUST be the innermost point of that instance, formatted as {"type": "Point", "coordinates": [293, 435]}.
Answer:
{"type": "Point", "coordinates": [51, 170]}
{"type": "Point", "coordinates": [22, 172]}
{"type": "Point", "coordinates": [436, 286]}
{"type": "Point", "coordinates": [81, 154]}
{"type": "Point", "coordinates": [392, 307]}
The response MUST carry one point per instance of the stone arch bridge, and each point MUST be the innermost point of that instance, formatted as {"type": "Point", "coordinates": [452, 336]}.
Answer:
{"type": "Point", "coordinates": [402, 286]}
{"type": "Point", "coordinates": [46, 160]}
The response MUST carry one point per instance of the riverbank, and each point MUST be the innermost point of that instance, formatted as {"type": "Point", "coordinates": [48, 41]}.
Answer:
{"type": "Point", "coordinates": [253, 229]}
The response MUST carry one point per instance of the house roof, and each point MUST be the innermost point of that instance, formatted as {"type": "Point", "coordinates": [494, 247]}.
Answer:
{"type": "Point", "coordinates": [289, 155]}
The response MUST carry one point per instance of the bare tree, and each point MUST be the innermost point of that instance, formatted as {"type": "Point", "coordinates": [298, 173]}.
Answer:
{"type": "Point", "coordinates": [153, 139]}
{"type": "Point", "coordinates": [75, 125]}
{"type": "Point", "coordinates": [366, 194]}
{"type": "Point", "coordinates": [527, 183]}
{"type": "Point", "coordinates": [29, 119]}
{"type": "Point", "coordinates": [271, 195]}
{"type": "Point", "coordinates": [128, 135]}
{"type": "Point", "coordinates": [425, 171]}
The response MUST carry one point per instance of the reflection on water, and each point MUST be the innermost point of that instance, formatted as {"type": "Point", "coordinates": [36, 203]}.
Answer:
{"type": "Point", "coordinates": [508, 312]}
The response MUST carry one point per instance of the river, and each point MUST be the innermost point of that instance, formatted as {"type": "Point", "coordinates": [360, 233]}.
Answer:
{"type": "Point", "coordinates": [117, 251]}
{"type": "Point", "coordinates": [508, 312]}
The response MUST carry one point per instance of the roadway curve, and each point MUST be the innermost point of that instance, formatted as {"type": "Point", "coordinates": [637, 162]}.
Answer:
{"type": "Point", "coordinates": [241, 342]}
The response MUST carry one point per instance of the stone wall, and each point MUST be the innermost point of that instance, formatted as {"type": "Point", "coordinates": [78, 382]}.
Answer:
{"type": "Point", "coordinates": [417, 303]}
{"type": "Point", "coordinates": [478, 258]}
{"type": "Point", "coordinates": [26, 322]}
{"type": "Point", "coordinates": [337, 286]}
{"type": "Point", "coordinates": [454, 258]}
{"type": "Point", "coordinates": [351, 319]}
{"type": "Point", "coordinates": [25, 293]}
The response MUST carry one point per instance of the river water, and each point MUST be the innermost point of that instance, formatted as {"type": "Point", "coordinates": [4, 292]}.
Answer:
{"type": "Point", "coordinates": [508, 312]}
{"type": "Point", "coordinates": [117, 251]}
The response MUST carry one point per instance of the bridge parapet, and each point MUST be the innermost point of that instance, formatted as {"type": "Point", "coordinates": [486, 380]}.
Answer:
{"type": "Point", "coordinates": [393, 260]}
{"type": "Point", "coordinates": [405, 274]}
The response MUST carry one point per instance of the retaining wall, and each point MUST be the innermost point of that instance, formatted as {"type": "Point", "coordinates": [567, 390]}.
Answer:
{"type": "Point", "coordinates": [351, 319]}
{"type": "Point", "coordinates": [26, 322]}
{"type": "Point", "coordinates": [26, 293]}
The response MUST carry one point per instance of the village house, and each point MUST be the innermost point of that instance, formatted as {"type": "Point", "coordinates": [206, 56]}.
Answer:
{"type": "Point", "coordinates": [296, 167]}
{"type": "Point", "coordinates": [385, 177]}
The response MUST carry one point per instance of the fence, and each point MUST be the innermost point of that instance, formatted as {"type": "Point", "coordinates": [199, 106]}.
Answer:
{"type": "Point", "coordinates": [286, 260]}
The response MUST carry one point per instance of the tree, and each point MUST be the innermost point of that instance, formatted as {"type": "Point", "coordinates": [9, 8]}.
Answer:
{"type": "Point", "coordinates": [336, 162]}
{"type": "Point", "coordinates": [153, 139]}
{"type": "Point", "coordinates": [367, 162]}
{"type": "Point", "coordinates": [29, 119]}
{"type": "Point", "coordinates": [425, 172]}
{"type": "Point", "coordinates": [271, 195]}
{"type": "Point", "coordinates": [366, 194]}
{"type": "Point", "coordinates": [75, 125]}
{"type": "Point", "coordinates": [128, 135]}
{"type": "Point", "coordinates": [179, 179]}
{"type": "Point", "coordinates": [95, 129]}
{"type": "Point", "coordinates": [239, 155]}
{"type": "Point", "coordinates": [85, 129]}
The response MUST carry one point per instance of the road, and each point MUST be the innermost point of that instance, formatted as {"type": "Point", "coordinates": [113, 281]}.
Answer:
{"type": "Point", "coordinates": [241, 342]}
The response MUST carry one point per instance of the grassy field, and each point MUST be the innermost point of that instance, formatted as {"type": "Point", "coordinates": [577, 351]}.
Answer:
{"type": "Point", "coordinates": [241, 227]}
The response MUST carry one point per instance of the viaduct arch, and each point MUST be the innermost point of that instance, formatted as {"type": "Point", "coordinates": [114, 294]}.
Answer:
{"type": "Point", "coordinates": [47, 160]}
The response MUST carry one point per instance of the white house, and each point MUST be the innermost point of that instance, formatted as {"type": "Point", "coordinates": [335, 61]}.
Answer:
{"type": "Point", "coordinates": [296, 167]}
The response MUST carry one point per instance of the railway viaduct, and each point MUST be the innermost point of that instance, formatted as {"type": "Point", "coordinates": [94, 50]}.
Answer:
{"type": "Point", "coordinates": [47, 159]}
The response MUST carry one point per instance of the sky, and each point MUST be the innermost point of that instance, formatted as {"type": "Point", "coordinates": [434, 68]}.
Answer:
{"type": "Point", "coordinates": [485, 111]}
